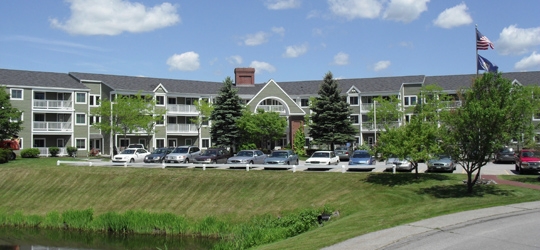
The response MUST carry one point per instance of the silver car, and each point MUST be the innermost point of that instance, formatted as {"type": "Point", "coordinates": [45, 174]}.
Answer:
{"type": "Point", "coordinates": [282, 157]}
{"type": "Point", "coordinates": [399, 164]}
{"type": "Point", "coordinates": [183, 154]}
{"type": "Point", "coordinates": [247, 157]}
{"type": "Point", "coordinates": [441, 163]}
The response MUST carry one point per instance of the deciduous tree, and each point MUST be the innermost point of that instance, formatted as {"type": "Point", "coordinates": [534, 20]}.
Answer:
{"type": "Point", "coordinates": [261, 127]}
{"type": "Point", "coordinates": [10, 117]}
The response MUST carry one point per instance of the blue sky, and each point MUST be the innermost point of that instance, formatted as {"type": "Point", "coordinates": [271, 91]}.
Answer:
{"type": "Point", "coordinates": [284, 40]}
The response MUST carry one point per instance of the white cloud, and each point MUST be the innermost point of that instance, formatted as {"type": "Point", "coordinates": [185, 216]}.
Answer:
{"type": "Point", "coordinates": [513, 40]}
{"type": "Point", "coordinates": [295, 50]}
{"type": "Point", "coordinates": [282, 4]}
{"type": "Point", "coordinates": [256, 39]}
{"type": "Point", "coordinates": [352, 9]}
{"type": "Point", "coordinates": [531, 62]}
{"type": "Point", "coordinates": [341, 59]}
{"type": "Point", "coordinates": [188, 61]}
{"type": "Point", "coordinates": [405, 10]}
{"type": "Point", "coordinates": [380, 65]}
{"type": "Point", "coordinates": [262, 66]}
{"type": "Point", "coordinates": [279, 30]}
{"type": "Point", "coordinates": [112, 17]}
{"type": "Point", "coordinates": [236, 59]}
{"type": "Point", "coordinates": [454, 17]}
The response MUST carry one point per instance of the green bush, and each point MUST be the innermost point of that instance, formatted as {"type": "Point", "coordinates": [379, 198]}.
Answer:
{"type": "Point", "coordinates": [72, 151]}
{"type": "Point", "coordinates": [30, 153]}
{"type": "Point", "coordinates": [4, 155]}
{"type": "Point", "coordinates": [54, 151]}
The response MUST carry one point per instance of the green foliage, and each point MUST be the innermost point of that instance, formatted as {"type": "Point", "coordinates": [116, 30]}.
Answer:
{"type": "Point", "coordinates": [330, 122]}
{"type": "Point", "coordinates": [30, 153]}
{"type": "Point", "coordinates": [300, 142]}
{"type": "Point", "coordinates": [227, 110]}
{"type": "Point", "coordinates": [261, 127]}
{"type": "Point", "coordinates": [386, 112]}
{"type": "Point", "coordinates": [4, 155]}
{"type": "Point", "coordinates": [72, 151]}
{"type": "Point", "coordinates": [54, 151]}
{"type": "Point", "coordinates": [10, 117]}
{"type": "Point", "coordinates": [248, 146]}
{"type": "Point", "coordinates": [78, 219]}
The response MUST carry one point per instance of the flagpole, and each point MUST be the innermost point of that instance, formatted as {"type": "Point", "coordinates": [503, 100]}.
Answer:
{"type": "Point", "coordinates": [476, 46]}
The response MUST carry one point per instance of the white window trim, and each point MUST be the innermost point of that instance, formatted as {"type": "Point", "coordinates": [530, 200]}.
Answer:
{"type": "Point", "coordinates": [209, 143]}
{"type": "Point", "coordinates": [40, 138]}
{"type": "Point", "coordinates": [409, 98]}
{"type": "Point", "coordinates": [164, 101]}
{"type": "Point", "coordinates": [85, 98]}
{"type": "Point", "coordinates": [157, 139]}
{"type": "Point", "coordinates": [357, 100]}
{"type": "Point", "coordinates": [301, 103]}
{"type": "Point", "coordinates": [93, 96]}
{"type": "Point", "coordinates": [358, 120]}
{"type": "Point", "coordinates": [186, 142]}
{"type": "Point", "coordinates": [63, 142]}
{"type": "Point", "coordinates": [85, 146]}
{"type": "Point", "coordinates": [85, 119]}
{"type": "Point", "coordinates": [20, 118]}
{"type": "Point", "coordinates": [11, 94]}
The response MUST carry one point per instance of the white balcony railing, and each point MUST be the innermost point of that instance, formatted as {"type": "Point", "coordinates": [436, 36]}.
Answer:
{"type": "Point", "coordinates": [53, 104]}
{"type": "Point", "coordinates": [181, 128]}
{"type": "Point", "coordinates": [45, 151]}
{"type": "Point", "coordinates": [370, 126]}
{"type": "Point", "coordinates": [272, 108]}
{"type": "Point", "coordinates": [182, 108]}
{"type": "Point", "coordinates": [52, 126]}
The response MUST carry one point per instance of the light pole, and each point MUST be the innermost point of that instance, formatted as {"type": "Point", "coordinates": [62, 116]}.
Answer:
{"type": "Point", "coordinates": [375, 120]}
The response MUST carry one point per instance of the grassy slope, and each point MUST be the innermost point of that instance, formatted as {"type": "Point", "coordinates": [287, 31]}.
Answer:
{"type": "Point", "coordinates": [367, 201]}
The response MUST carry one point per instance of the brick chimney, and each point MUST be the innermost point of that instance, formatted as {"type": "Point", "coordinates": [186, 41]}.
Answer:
{"type": "Point", "coordinates": [244, 77]}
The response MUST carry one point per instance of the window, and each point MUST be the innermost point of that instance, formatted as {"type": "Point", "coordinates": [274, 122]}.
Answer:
{"type": "Point", "coordinates": [355, 119]}
{"type": "Point", "coordinates": [39, 117]}
{"type": "Point", "coordinates": [16, 94]}
{"type": "Point", "coordinates": [171, 143]}
{"type": "Point", "coordinates": [171, 100]}
{"type": "Point", "coordinates": [80, 143]}
{"type": "Point", "coordinates": [93, 119]}
{"type": "Point", "coordinates": [160, 121]}
{"type": "Point", "coordinates": [94, 100]}
{"type": "Point", "coordinates": [124, 142]}
{"type": "Point", "coordinates": [60, 142]}
{"type": "Point", "coordinates": [160, 143]}
{"type": "Point", "coordinates": [353, 100]}
{"type": "Point", "coordinates": [171, 119]}
{"type": "Point", "coordinates": [408, 118]}
{"type": "Point", "coordinates": [304, 102]}
{"type": "Point", "coordinates": [205, 143]}
{"type": "Point", "coordinates": [80, 97]}
{"type": "Point", "coordinates": [39, 95]}
{"type": "Point", "coordinates": [188, 142]}
{"type": "Point", "coordinates": [17, 119]}
{"type": "Point", "coordinates": [39, 142]}
{"type": "Point", "coordinates": [409, 100]}
{"type": "Point", "coordinates": [160, 100]}
{"type": "Point", "coordinates": [80, 119]}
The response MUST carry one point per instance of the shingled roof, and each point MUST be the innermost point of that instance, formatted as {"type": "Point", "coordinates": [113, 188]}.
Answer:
{"type": "Point", "coordinates": [27, 78]}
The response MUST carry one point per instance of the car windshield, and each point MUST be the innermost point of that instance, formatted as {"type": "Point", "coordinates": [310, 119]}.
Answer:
{"type": "Point", "coordinates": [341, 149]}
{"type": "Point", "coordinates": [210, 153]}
{"type": "Point", "coordinates": [128, 151]}
{"type": "Point", "coordinates": [321, 155]}
{"type": "Point", "coordinates": [280, 154]}
{"type": "Point", "coordinates": [180, 150]}
{"type": "Point", "coordinates": [507, 150]}
{"type": "Point", "coordinates": [159, 151]}
{"type": "Point", "coordinates": [245, 153]}
{"type": "Point", "coordinates": [442, 157]}
{"type": "Point", "coordinates": [361, 155]}
{"type": "Point", "coordinates": [535, 154]}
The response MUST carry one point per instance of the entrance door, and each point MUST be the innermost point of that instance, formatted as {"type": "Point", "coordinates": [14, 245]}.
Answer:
{"type": "Point", "coordinates": [171, 143]}
{"type": "Point", "coordinates": [370, 141]}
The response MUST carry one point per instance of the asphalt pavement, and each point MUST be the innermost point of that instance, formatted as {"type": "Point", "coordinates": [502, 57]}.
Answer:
{"type": "Point", "coordinates": [513, 226]}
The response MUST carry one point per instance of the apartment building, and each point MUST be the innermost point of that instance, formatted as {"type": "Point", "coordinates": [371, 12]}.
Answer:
{"type": "Point", "coordinates": [57, 106]}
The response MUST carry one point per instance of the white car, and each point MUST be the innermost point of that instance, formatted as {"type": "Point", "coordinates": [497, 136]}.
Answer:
{"type": "Point", "coordinates": [131, 155]}
{"type": "Point", "coordinates": [323, 158]}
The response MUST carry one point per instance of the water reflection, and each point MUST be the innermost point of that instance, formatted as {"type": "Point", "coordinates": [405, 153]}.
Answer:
{"type": "Point", "coordinates": [37, 239]}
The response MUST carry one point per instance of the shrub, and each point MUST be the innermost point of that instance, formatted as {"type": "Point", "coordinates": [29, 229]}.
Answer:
{"type": "Point", "coordinates": [54, 151]}
{"type": "Point", "coordinates": [72, 151]}
{"type": "Point", "coordinates": [30, 153]}
{"type": "Point", "coordinates": [4, 155]}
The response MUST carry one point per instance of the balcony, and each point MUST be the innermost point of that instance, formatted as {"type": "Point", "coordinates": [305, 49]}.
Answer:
{"type": "Point", "coordinates": [181, 128]}
{"type": "Point", "coordinates": [452, 104]}
{"type": "Point", "coordinates": [52, 127]}
{"type": "Point", "coordinates": [369, 126]}
{"type": "Point", "coordinates": [182, 108]}
{"type": "Point", "coordinates": [53, 105]}
{"type": "Point", "coordinates": [272, 108]}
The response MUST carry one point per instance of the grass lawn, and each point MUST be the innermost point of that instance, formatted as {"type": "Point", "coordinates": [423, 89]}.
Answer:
{"type": "Point", "coordinates": [367, 201]}
{"type": "Point", "coordinates": [531, 179]}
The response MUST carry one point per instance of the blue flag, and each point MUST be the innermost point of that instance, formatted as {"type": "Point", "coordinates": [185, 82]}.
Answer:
{"type": "Point", "coordinates": [484, 64]}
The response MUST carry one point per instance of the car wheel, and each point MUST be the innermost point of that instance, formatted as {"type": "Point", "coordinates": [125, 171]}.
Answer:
{"type": "Point", "coordinates": [187, 160]}
{"type": "Point", "coordinates": [214, 162]}
{"type": "Point", "coordinates": [516, 167]}
{"type": "Point", "coordinates": [132, 160]}
{"type": "Point", "coordinates": [250, 162]}
{"type": "Point", "coordinates": [12, 156]}
{"type": "Point", "coordinates": [297, 162]}
{"type": "Point", "coordinates": [288, 163]}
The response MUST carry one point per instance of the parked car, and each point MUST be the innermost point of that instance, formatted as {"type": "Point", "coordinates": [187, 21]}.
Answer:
{"type": "Point", "coordinates": [323, 158]}
{"type": "Point", "coordinates": [362, 159]}
{"type": "Point", "coordinates": [505, 154]}
{"type": "Point", "coordinates": [248, 157]}
{"type": "Point", "coordinates": [158, 155]}
{"type": "Point", "coordinates": [441, 163]}
{"type": "Point", "coordinates": [135, 146]}
{"type": "Point", "coordinates": [400, 164]}
{"type": "Point", "coordinates": [282, 157]}
{"type": "Point", "coordinates": [343, 153]}
{"type": "Point", "coordinates": [528, 161]}
{"type": "Point", "coordinates": [183, 154]}
{"type": "Point", "coordinates": [213, 156]}
{"type": "Point", "coordinates": [131, 155]}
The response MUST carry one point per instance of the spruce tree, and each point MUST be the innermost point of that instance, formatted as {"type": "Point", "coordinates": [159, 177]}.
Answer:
{"type": "Point", "coordinates": [227, 109]}
{"type": "Point", "coordinates": [331, 123]}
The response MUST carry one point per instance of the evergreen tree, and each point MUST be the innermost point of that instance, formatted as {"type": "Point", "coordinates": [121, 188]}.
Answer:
{"type": "Point", "coordinates": [227, 110]}
{"type": "Point", "coordinates": [331, 123]}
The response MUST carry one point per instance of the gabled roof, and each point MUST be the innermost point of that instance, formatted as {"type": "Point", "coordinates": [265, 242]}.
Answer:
{"type": "Point", "coordinates": [365, 85]}
{"type": "Point", "coordinates": [24, 78]}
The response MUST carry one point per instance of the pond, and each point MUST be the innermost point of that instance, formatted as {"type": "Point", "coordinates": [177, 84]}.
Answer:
{"type": "Point", "coordinates": [31, 238]}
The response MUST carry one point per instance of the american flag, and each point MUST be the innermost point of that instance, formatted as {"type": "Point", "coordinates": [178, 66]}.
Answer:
{"type": "Point", "coordinates": [482, 42]}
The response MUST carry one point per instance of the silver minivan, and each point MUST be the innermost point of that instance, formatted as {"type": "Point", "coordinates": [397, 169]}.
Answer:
{"type": "Point", "coordinates": [183, 154]}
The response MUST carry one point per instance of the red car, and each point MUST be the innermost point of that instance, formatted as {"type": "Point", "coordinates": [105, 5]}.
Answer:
{"type": "Point", "coordinates": [528, 161]}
